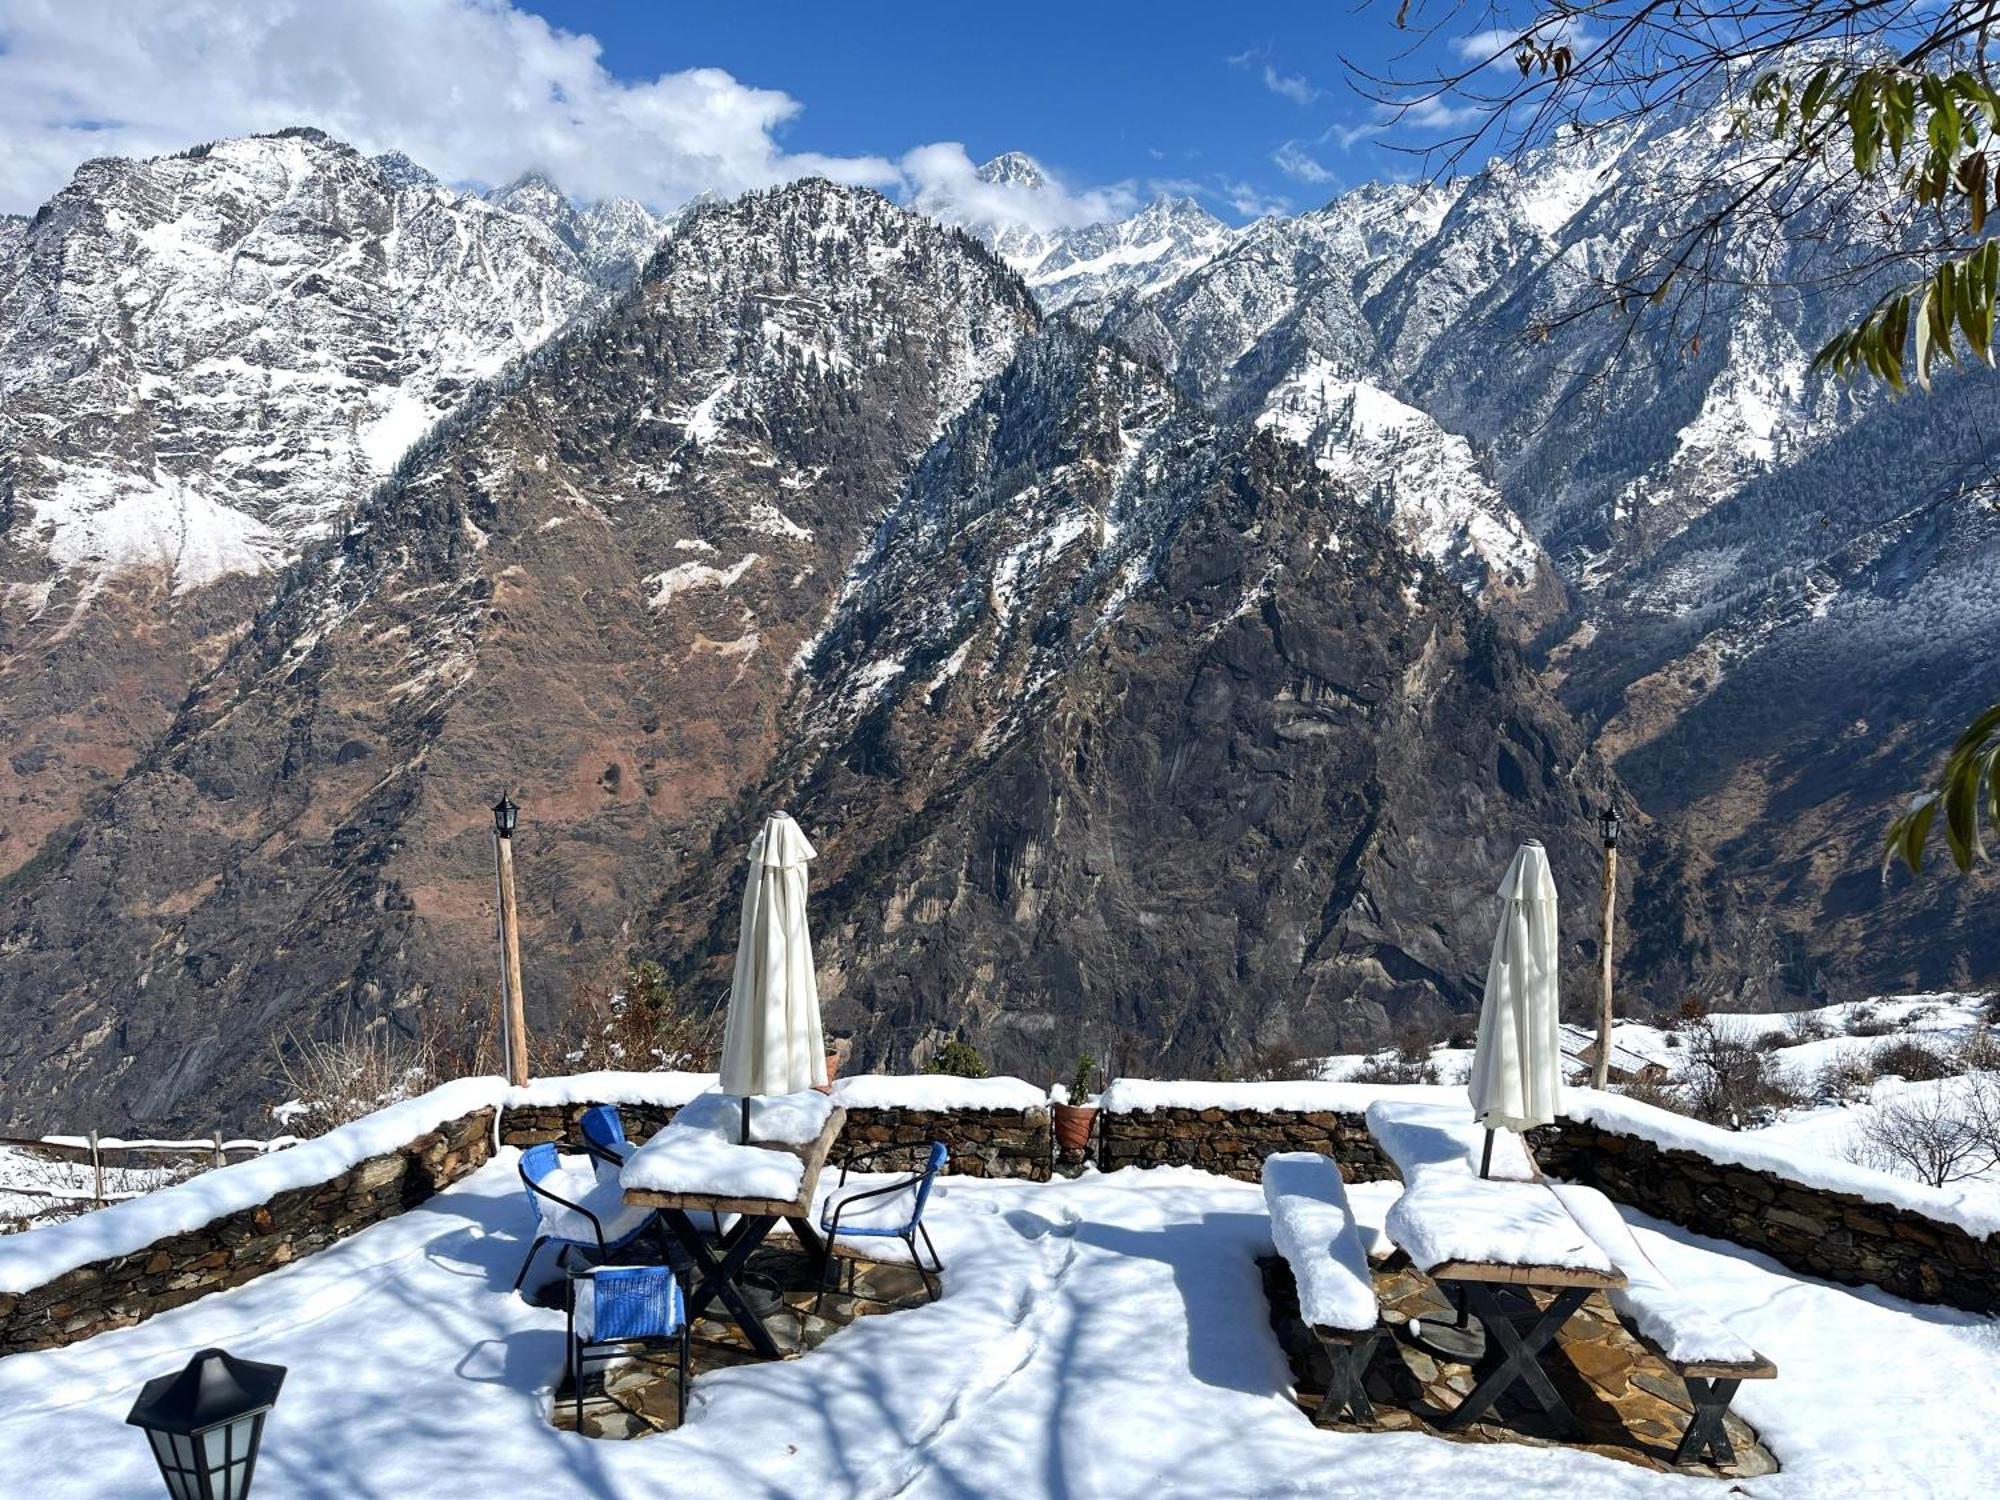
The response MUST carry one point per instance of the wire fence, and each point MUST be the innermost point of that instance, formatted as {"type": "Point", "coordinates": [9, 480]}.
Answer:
{"type": "Point", "coordinates": [102, 1153]}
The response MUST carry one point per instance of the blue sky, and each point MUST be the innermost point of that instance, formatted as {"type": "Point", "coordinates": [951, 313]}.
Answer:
{"type": "Point", "coordinates": [1102, 93]}
{"type": "Point", "coordinates": [1244, 105]}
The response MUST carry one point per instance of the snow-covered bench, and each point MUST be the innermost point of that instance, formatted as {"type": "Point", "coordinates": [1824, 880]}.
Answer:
{"type": "Point", "coordinates": [1313, 1229]}
{"type": "Point", "coordinates": [1692, 1341]}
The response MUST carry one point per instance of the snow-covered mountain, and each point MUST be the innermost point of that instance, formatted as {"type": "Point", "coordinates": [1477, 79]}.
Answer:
{"type": "Point", "coordinates": [206, 357]}
{"type": "Point", "coordinates": [207, 360]}
{"type": "Point", "coordinates": [1093, 263]}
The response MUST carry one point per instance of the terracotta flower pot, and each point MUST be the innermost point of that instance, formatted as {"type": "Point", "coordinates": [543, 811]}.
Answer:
{"type": "Point", "coordinates": [1073, 1122]}
{"type": "Point", "coordinates": [832, 1072]}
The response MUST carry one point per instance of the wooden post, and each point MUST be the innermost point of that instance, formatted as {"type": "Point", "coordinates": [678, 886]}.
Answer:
{"type": "Point", "coordinates": [1600, 1070]}
{"type": "Point", "coordinates": [97, 1169]}
{"type": "Point", "coordinates": [221, 1156]}
{"type": "Point", "coordinates": [510, 966]}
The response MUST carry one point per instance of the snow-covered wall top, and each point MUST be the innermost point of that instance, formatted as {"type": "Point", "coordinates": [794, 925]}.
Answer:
{"type": "Point", "coordinates": [936, 1091]}
{"type": "Point", "coordinates": [37, 1256]}
{"type": "Point", "coordinates": [1137, 1095]}
{"type": "Point", "coordinates": [1672, 1132]}
{"type": "Point", "coordinates": [670, 1090]}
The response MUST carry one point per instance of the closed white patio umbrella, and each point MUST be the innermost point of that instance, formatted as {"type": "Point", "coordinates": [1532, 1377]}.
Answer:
{"type": "Point", "coordinates": [1517, 1062]}
{"type": "Point", "coordinates": [772, 1042]}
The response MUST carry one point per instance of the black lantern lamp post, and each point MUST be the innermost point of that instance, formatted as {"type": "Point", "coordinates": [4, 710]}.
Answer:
{"type": "Point", "coordinates": [1608, 823]}
{"type": "Point", "coordinates": [205, 1423]}
{"type": "Point", "coordinates": [505, 815]}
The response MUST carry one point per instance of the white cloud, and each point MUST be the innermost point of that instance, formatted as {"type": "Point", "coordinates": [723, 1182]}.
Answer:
{"type": "Point", "coordinates": [1297, 163]}
{"type": "Point", "coordinates": [1434, 114]}
{"type": "Point", "coordinates": [1293, 86]}
{"type": "Point", "coordinates": [1251, 201]}
{"type": "Point", "coordinates": [1498, 45]}
{"type": "Point", "coordinates": [473, 89]}
{"type": "Point", "coordinates": [944, 182]}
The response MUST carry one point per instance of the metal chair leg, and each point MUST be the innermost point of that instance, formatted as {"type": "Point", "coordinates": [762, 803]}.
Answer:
{"type": "Point", "coordinates": [533, 1250]}
{"type": "Point", "coordinates": [937, 1263]}
{"type": "Point", "coordinates": [681, 1399]}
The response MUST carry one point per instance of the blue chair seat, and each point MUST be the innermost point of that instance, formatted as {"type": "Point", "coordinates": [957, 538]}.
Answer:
{"type": "Point", "coordinates": [892, 1213]}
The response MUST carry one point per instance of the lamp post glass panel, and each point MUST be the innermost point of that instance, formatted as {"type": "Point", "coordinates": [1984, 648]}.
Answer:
{"type": "Point", "coordinates": [1608, 824]}
{"type": "Point", "coordinates": [206, 1422]}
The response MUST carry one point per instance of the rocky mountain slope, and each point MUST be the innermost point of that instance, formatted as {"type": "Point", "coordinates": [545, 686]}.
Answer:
{"type": "Point", "coordinates": [205, 360]}
{"type": "Point", "coordinates": [1735, 565]}
{"type": "Point", "coordinates": [1127, 732]}
{"type": "Point", "coordinates": [589, 586]}
{"type": "Point", "coordinates": [1167, 648]}
{"type": "Point", "coordinates": [1092, 264]}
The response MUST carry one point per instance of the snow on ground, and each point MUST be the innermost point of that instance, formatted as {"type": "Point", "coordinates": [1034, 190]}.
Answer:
{"type": "Point", "coordinates": [1102, 1337]}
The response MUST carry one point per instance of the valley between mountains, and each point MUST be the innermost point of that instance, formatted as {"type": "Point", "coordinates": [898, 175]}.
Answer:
{"type": "Point", "coordinates": [1165, 630]}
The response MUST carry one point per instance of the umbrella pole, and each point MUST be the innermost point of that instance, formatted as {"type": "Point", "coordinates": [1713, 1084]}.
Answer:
{"type": "Point", "coordinates": [746, 1124]}
{"type": "Point", "coordinates": [1485, 1157]}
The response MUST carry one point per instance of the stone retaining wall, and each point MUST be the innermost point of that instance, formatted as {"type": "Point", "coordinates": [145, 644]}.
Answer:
{"type": "Point", "coordinates": [1824, 1233]}
{"type": "Point", "coordinates": [984, 1142]}
{"type": "Point", "coordinates": [242, 1246]}
{"type": "Point", "coordinates": [1234, 1142]}
{"type": "Point", "coordinates": [531, 1124]}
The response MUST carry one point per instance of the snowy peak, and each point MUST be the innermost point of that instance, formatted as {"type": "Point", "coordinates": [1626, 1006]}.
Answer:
{"type": "Point", "coordinates": [1422, 482]}
{"type": "Point", "coordinates": [1133, 257]}
{"type": "Point", "coordinates": [1014, 169]}
{"type": "Point", "coordinates": [614, 237]}
{"type": "Point", "coordinates": [208, 355]}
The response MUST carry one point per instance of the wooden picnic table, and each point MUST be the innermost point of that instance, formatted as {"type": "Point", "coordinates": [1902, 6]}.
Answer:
{"type": "Point", "coordinates": [1475, 1235]}
{"type": "Point", "coordinates": [718, 1266]}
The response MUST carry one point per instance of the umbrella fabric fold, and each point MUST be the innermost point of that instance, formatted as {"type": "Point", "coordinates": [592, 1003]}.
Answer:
{"type": "Point", "coordinates": [772, 1043]}
{"type": "Point", "coordinates": [1517, 1063]}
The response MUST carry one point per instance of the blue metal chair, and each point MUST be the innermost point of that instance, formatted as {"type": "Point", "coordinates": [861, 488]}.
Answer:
{"type": "Point", "coordinates": [604, 1135]}
{"type": "Point", "coordinates": [577, 1210]}
{"type": "Point", "coordinates": [892, 1211]}
{"type": "Point", "coordinates": [616, 1306]}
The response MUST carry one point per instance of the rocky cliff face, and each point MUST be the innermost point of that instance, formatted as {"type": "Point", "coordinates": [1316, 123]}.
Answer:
{"type": "Point", "coordinates": [1171, 676]}
{"type": "Point", "coordinates": [205, 361]}
{"type": "Point", "coordinates": [1128, 736]}
{"type": "Point", "coordinates": [1762, 588]}
{"type": "Point", "coordinates": [592, 583]}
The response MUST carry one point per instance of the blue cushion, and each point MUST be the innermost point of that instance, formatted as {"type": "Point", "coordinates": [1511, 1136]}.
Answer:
{"type": "Point", "coordinates": [615, 1303]}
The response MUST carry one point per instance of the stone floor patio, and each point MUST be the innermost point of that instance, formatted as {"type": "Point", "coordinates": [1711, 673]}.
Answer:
{"type": "Point", "coordinates": [1629, 1405]}
{"type": "Point", "coordinates": [637, 1396]}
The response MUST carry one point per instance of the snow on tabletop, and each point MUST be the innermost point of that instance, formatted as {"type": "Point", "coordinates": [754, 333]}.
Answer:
{"type": "Point", "coordinates": [936, 1091]}
{"type": "Point", "coordinates": [37, 1256]}
{"type": "Point", "coordinates": [668, 1089]}
{"type": "Point", "coordinates": [701, 1150]}
{"type": "Point", "coordinates": [1313, 1228]}
{"type": "Point", "coordinates": [1682, 1326]}
{"type": "Point", "coordinates": [1128, 1096]}
{"type": "Point", "coordinates": [1972, 1208]}
{"type": "Point", "coordinates": [1449, 1213]}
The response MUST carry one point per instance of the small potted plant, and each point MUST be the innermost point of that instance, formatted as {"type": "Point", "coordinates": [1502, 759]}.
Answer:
{"type": "Point", "coordinates": [1077, 1112]}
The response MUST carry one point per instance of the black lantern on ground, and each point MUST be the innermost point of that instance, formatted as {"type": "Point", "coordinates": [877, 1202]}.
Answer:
{"type": "Point", "coordinates": [1608, 823]}
{"type": "Point", "coordinates": [505, 816]}
{"type": "Point", "coordinates": [205, 1423]}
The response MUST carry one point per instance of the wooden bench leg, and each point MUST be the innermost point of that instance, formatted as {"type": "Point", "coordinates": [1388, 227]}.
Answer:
{"type": "Point", "coordinates": [1346, 1388]}
{"type": "Point", "coordinates": [1705, 1432]}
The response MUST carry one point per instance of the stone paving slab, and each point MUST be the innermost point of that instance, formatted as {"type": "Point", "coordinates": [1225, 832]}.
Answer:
{"type": "Point", "coordinates": [635, 1396]}
{"type": "Point", "coordinates": [1630, 1405]}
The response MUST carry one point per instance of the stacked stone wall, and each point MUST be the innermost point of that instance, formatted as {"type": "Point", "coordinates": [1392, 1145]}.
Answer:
{"type": "Point", "coordinates": [243, 1245]}
{"type": "Point", "coordinates": [1234, 1142]}
{"type": "Point", "coordinates": [1834, 1235]}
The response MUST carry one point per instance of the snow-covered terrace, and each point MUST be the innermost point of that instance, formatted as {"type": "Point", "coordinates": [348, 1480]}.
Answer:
{"type": "Point", "coordinates": [1107, 1336]}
